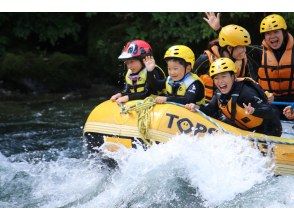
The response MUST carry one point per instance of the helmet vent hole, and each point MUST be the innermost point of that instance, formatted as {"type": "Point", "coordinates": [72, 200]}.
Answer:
{"type": "Point", "coordinates": [212, 71]}
{"type": "Point", "coordinates": [276, 25]}
{"type": "Point", "coordinates": [176, 53]}
{"type": "Point", "coordinates": [225, 67]}
{"type": "Point", "coordinates": [223, 39]}
{"type": "Point", "coordinates": [274, 21]}
{"type": "Point", "coordinates": [245, 36]}
{"type": "Point", "coordinates": [241, 30]}
{"type": "Point", "coordinates": [245, 41]}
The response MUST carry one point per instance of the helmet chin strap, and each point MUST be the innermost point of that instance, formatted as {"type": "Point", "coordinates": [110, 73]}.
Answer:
{"type": "Point", "coordinates": [231, 53]}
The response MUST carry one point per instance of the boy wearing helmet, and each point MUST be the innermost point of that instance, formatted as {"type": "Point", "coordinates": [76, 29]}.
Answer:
{"type": "Point", "coordinates": [137, 56]}
{"type": "Point", "coordinates": [231, 42]}
{"type": "Point", "coordinates": [242, 102]}
{"type": "Point", "coordinates": [274, 59]}
{"type": "Point", "coordinates": [181, 86]}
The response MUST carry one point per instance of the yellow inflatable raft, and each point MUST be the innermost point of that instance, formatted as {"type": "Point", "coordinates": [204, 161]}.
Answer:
{"type": "Point", "coordinates": [112, 123]}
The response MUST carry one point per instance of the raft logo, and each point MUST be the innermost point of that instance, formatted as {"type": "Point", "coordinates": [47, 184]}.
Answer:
{"type": "Point", "coordinates": [185, 125]}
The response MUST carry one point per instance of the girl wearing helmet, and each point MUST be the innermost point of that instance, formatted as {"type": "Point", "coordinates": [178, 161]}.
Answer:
{"type": "Point", "coordinates": [274, 59]}
{"type": "Point", "coordinates": [181, 86]}
{"type": "Point", "coordinates": [137, 56]}
{"type": "Point", "coordinates": [242, 102]}
{"type": "Point", "coordinates": [231, 42]}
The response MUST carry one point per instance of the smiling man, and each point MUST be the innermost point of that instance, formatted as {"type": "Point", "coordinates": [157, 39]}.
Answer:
{"type": "Point", "coordinates": [243, 103]}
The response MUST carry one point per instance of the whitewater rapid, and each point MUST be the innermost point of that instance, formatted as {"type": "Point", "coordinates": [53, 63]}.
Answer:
{"type": "Point", "coordinates": [218, 170]}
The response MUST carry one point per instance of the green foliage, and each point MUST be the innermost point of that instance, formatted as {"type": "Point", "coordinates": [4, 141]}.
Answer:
{"type": "Point", "coordinates": [3, 43]}
{"type": "Point", "coordinates": [12, 66]}
{"type": "Point", "coordinates": [42, 27]}
{"type": "Point", "coordinates": [97, 39]}
{"type": "Point", "coordinates": [17, 66]}
{"type": "Point", "coordinates": [289, 17]}
{"type": "Point", "coordinates": [66, 72]}
{"type": "Point", "coordinates": [47, 26]}
{"type": "Point", "coordinates": [59, 72]}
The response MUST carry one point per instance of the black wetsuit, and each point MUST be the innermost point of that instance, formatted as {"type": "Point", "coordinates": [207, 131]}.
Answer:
{"type": "Point", "coordinates": [271, 124]}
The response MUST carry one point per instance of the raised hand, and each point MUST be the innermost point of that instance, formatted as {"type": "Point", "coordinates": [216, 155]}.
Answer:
{"type": "Point", "coordinates": [149, 63]}
{"type": "Point", "coordinates": [212, 20]}
{"type": "Point", "coordinates": [248, 109]}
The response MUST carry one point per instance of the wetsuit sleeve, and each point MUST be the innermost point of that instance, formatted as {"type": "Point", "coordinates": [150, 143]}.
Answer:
{"type": "Point", "coordinates": [202, 65]}
{"type": "Point", "coordinates": [211, 109]}
{"type": "Point", "coordinates": [139, 95]}
{"type": "Point", "coordinates": [194, 93]}
{"type": "Point", "coordinates": [157, 73]}
{"type": "Point", "coordinates": [126, 90]}
{"type": "Point", "coordinates": [156, 80]}
{"type": "Point", "coordinates": [136, 95]}
{"type": "Point", "coordinates": [262, 108]}
{"type": "Point", "coordinates": [254, 56]}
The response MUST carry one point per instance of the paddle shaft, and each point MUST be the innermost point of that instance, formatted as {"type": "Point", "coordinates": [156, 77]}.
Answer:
{"type": "Point", "coordinates": [284, 103]}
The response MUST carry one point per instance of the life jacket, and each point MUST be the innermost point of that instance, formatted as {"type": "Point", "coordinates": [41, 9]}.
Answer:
{"type": "Point", "coordinates": [136, 82]}
{"type": "Point", "coordinates": [236, 113]}
{"type": "Point", "coordinates": [184, 84]}
{"type": "Point", "coordinates": [212, 55]}
{"type": "Point", "coordinates": [277, 77]}
{"type": "Point", "coordinates": [208, 86]}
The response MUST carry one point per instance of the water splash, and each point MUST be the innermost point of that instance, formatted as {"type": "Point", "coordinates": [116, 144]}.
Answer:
{"type": "Point", "coordinates": [218, 170]}
{"type": "Point", "coordinates": [210, 172]}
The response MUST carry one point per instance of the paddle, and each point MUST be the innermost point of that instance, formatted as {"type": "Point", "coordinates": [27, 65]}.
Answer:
{"type": "Point", "coordinates": [284, 103]}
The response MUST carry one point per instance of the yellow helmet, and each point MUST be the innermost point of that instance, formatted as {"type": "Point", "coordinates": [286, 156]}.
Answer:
{"type": "Point", "coordinates": [222, 65]}
{"type": "Point", "coordinates": [181, 51]}
{"type": "Point", "coordinates": [272, 22]}
{"type": "Point", "coordinates": [234, 35]}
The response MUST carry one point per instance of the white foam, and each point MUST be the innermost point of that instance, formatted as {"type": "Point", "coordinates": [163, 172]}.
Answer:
{"type": "Point", "coordinates": [220, 166]}
{"type": "Point", "coordinates": [215, 170]}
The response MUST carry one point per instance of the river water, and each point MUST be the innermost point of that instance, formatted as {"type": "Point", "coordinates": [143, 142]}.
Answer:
{"type": "Point", "coordinates": [44, 162]}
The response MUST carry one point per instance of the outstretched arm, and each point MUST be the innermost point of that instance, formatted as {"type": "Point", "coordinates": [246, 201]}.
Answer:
{"type": "Point", "coordinates": [255, 105]}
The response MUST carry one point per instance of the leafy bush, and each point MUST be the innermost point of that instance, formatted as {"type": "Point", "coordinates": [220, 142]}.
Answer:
{"type": "Point", "coordinates": [59, 72]}
{"type": "Point", "coordinates": [66, 72]}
